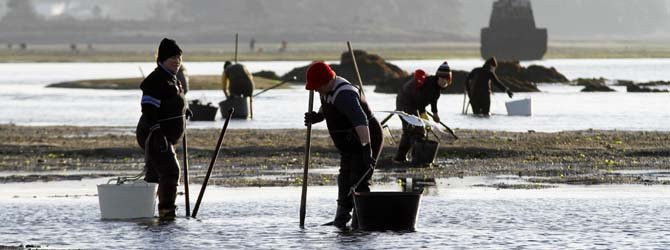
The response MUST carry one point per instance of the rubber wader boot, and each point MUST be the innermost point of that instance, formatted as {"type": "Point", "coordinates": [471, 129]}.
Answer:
{"type": "Point", "coordinates": [167, 195]}
{"type": "Point", "coordinates": [342, 216]}
{"type": "Point", "coordinates": [166, 214]}
{"type": "Point", "coordinates": [403, 147]}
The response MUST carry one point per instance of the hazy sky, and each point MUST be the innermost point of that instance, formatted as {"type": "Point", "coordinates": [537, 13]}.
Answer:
{"type": "Point", "coordinates": [564, 19]}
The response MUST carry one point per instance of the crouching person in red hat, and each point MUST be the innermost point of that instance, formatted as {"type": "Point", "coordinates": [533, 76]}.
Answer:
{"type": "Point", "coordinates": [356, 133]}
{"type": "Point", "coordinates": [412, 98]}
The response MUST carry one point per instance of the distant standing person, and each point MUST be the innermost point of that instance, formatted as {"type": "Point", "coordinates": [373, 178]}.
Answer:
{"type": "Point", "coordinates": [478, 86]}
{"type": "Point", "coordinates": [162, 124]}
{"type": "Point", "coordinates": [356, 133]}
{"type": "Point", "coordinates": [412, 98]}
{"type": "Point", "coordinates": [252, 44]}
{"type": "Point", "coordinates": [284, 45]}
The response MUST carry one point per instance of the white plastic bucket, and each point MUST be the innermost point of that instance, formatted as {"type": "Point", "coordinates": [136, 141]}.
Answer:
{"type": "Point", "coordinates": [519, 107]}
{"type": "Point", "coordinates": [128, 200]}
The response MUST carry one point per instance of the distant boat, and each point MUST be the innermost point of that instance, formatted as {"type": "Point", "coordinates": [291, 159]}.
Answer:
{"type": "Point", "coordinates": [512, 34]}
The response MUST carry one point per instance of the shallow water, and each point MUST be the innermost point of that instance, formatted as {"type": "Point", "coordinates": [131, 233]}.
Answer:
{"type": "Point", "coordinates": [25, 101]}
{"type": "Point", "coordinates": [454, 215]}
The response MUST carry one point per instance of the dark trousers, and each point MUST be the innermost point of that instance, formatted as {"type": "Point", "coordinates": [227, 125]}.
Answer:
{"type": "Point", "coordinates": [163, 168]}
{"type": "Point", "coordinates": [480, 105]}
{"type": "Point", "coordinates": [410, 134]}
{"type": "Point", "coordinates": [353, 167]}
{"type": "Point", "coordinates": [160, 167]}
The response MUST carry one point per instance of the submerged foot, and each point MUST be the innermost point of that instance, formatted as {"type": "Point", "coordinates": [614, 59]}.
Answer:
{"type": "Point", "coordinates": [167, 215]}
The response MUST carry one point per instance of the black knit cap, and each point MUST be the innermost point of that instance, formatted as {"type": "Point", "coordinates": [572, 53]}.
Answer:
{"type": "Point", "coordinates": [168, 48]}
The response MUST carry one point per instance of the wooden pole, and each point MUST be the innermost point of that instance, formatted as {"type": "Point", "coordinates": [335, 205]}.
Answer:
{"type": "Point", "coordinates": [251, 107]}
{"type": "Point", "coordinates": [211, 163]}
{"type": "Point", "coordinates": [465, 95]}
{"type": "Point", "coordinates": [358, 75]}
{"type": "Point", "coordinates": [387, 118]}
{"type": "Point", "coordinates": [236, 40]}
{"type": "Point", "coordinates": [141, 71]}
{"type": "Point", "coordinates": [187, 200]}
{"type": "Point", "coordinates": [308, 140]}
{"type": "Point", "coordinates": [274, 86]}
{"type": "Point", "coordinates": [444, 125]}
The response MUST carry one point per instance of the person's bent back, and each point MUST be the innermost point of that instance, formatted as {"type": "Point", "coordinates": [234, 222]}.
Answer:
{"type": "Point", "coordinates": [237, 81]}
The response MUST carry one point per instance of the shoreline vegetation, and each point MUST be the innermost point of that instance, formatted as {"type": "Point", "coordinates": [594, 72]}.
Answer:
{"type": "Point", "coordinates": [196, 82]}
{"type": "Point", "coordinates": [257, 157]}
{"type": "Point", "coordinates": [321, 51]}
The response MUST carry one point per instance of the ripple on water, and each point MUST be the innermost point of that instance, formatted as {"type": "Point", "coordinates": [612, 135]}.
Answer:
{"type": "Point", "coordinates": [564, 217]}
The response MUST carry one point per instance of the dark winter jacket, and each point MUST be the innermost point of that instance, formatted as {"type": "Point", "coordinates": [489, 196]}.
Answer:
{"type": "Point", "coordinates": [413, 100]}
{"type": "Point", "coordinates": [240, 81]}
{"type": "Point", "coordinates": [478, 82]}
{"type": "Point", "coordinates": [344, 110]}
{"type": "Point", "coordinates": [163, 103]}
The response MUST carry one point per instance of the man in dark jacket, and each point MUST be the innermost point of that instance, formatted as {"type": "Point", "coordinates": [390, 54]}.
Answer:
{"type": "Point", "coordinates": [478, 86]}
{"type": "Point", "coordinates": [413, 97]}
{"type": "Point", "coordinates": [356, 133]}
{"type": "Point", "coordinates": [162, 125]}
{"type": "Point", "coordinates": [237, 81]}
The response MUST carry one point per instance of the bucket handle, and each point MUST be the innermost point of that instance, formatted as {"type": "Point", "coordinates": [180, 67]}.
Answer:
{"type": "Point", "coordinates": [123, 179]}
{"type": "Point", "coordinates": [353, 188]}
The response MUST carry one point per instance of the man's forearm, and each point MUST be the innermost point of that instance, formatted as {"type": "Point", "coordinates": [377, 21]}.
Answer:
{"type": "Point", "coordinates": [363, 134]}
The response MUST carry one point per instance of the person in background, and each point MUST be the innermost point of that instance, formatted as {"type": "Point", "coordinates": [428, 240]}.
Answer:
{"type": "Point", "coordinates": [252, 44]}
{"type": "Point", "coordinates": [412, 98]}
{"type": "Point", "coordinates": [356, 133]}
{"type": "Point", "coordinates": [236, 80]}
{"type": "Point", "coordinates": [182, 76]}
{"type": "Point", "coordinates": [478, 86]}
{"type": "Point", "coordinates": [162, 124]}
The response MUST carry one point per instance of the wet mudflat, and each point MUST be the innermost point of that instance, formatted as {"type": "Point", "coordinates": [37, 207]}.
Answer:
{"type": "Point", "coordinates": [275, 157]}
{"type": "Point", "coordinates": [459, 212]}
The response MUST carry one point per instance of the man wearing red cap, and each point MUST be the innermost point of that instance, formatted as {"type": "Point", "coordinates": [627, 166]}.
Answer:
{"type": "Point", "coordinates": [356, 133]}
{"type": "Point", "coordinates": [413, 98]}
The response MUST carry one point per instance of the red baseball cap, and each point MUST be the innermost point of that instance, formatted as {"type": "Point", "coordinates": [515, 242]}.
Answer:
{"type": "Point", "coordinates": [318, 74]}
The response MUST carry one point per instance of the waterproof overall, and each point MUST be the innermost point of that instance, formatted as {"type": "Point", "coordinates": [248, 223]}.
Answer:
{"type": "Point", "coordinates": [164, 106]}
{"type": "Point", "coordinates": [352, 163]}
{"type": "Point", "coordinates": [413, 100]}
{"type": "Point", "coordinates": [478, 86]}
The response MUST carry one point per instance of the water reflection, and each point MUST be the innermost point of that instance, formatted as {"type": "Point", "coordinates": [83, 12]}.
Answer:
{"type": "Point", "coordinates": [455, 215]}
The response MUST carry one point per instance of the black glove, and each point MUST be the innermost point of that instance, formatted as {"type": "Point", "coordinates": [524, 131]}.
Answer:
{"type": "Point", "coordinates": [313, 117]}
{"type": "Point", "coordinates": [188, 113]}
{"type": "Point", "coordinates": [157, 141]}
{"type": "Point", "coordinates": [436, 117]}
{"type": "Point", "coordinates": [366, 153]}
{"type": "Point", "coordinates": [510, 93]}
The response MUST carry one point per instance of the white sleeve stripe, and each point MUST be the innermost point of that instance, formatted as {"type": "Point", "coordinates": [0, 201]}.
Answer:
{"type": "Point", "coordinates": [150, 100]}
{"type": "Point", "coordinates": [349, 87]}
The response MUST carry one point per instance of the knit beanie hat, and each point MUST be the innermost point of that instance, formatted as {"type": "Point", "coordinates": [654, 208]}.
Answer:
{"type": "Point", "coordinates": [168, 48]}
{"type": "Point", "coordinates": [318, 74]}
{"type": "Point", "coordinates": [443, 70]}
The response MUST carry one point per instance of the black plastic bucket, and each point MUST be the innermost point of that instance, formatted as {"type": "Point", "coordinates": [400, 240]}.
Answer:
{"type": "Point", "coordinates": [203, 112]}
{"type": "Point", "coordinates": [382, 211]}
{"type": "Point", "coordinates": [241, 105]}
{"type": "Point", "coordinates": [424, 152]}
